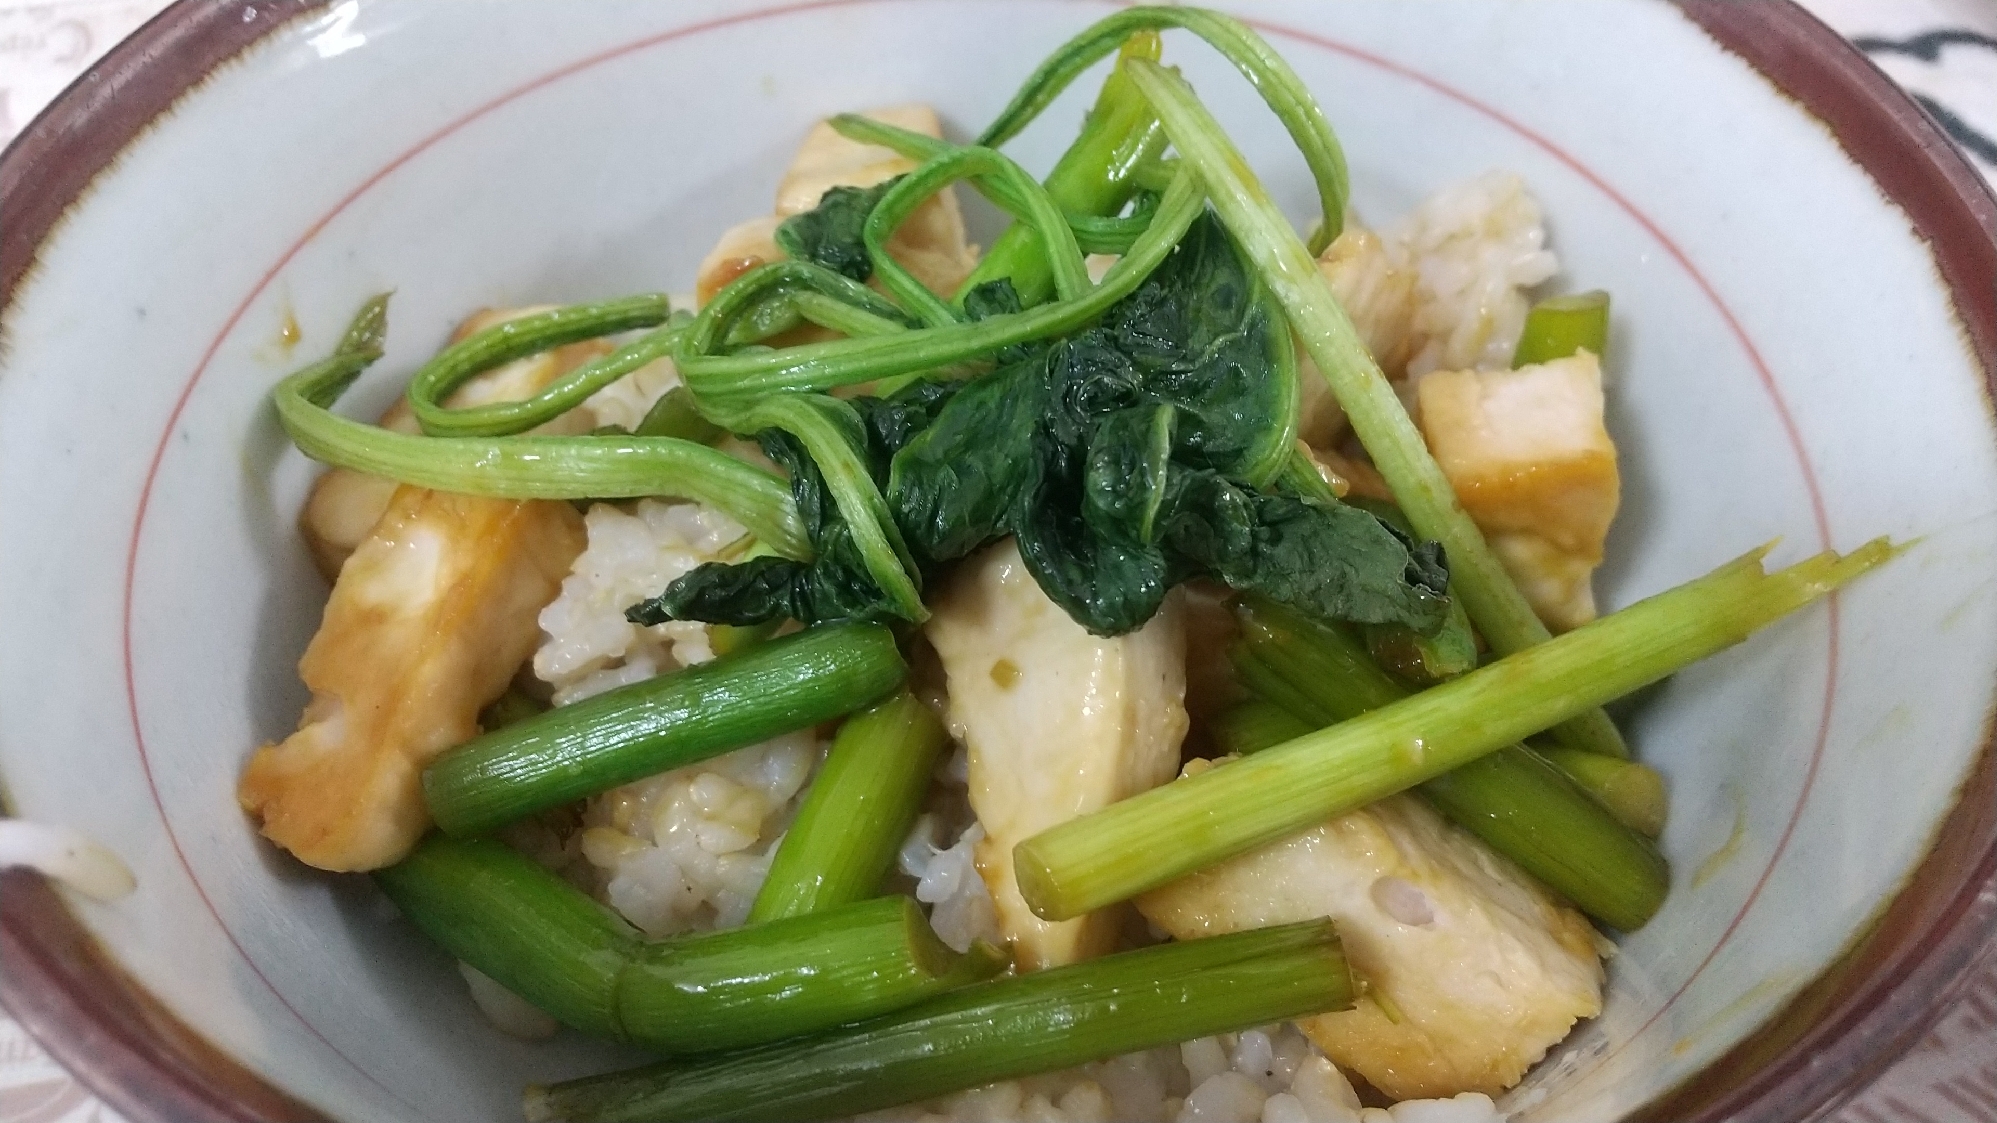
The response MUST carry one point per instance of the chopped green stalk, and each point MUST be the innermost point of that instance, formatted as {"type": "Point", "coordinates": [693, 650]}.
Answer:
{"type": "Point", "coordinates": [857, 813]}
{"type": "Point", "coordinates": [1261, 679]}
{"type": "Point", "coordinates": [536, 935]}
{"type": "Point", "coordinates": [675, 415]}
{"type": "Point", "coordinates": [1495, 604]}
{"type": "Point", "coordinates": [1165, 833]}
{"type": "Point", "coordinates": [1515, 802]}
{"type": "Point", "coordinates": [533, 933]}
{"type": "Point", "coordinates": [666, 722]}
{"type": "Point", "coordinates": [512, 706]}
{"type": "Point", "coordinates": [1254, 725]}
{"type": "Point", "coordinates": [798, 975]}
{"type": "Point", "coordinates": [1561, 325]}
{"type": "Point", "coordinates": [525, 467]}
{"type": "Point", "coordinates": [531, 335]}
{"type": "Point", "coordinates": [1633, 792]}
{"type": "Point", "coordinates": [1531, 812]}
{"type": "Point", "coordinates": [1092, 178]}
{"type": "Point", "coordinates": [1000, 1030]}
{"type": "Point", "coordinates": [831, 312]}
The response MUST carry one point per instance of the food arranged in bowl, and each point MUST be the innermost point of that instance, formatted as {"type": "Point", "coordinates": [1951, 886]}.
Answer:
{"type": "Point", "coordinates": [1112, 675]}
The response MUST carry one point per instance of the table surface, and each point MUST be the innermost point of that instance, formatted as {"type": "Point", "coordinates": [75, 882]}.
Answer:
{"type": "Point", "coordinates": [1943, 51]}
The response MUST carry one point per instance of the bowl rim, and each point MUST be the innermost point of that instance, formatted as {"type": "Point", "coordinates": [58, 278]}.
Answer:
{"type": "Point", "coordinates": [1888, 987]}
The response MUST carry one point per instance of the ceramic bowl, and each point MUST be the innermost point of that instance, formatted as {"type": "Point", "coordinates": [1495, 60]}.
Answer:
{"type": "Point", "coordinates": [1806, 282]}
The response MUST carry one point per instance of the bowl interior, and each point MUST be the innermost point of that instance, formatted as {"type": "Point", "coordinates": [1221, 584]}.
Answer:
{"type": "Point", "coordinates": [1785, 367]}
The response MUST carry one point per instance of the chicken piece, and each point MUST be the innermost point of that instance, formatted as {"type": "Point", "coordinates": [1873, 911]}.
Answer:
{"type": "Point", "coordinates": [1532, 463]}
{"type": "Point", "coordinates": [1059, 723]}
{"type": "Point", "coordinates": [1480, 970]}
{"type": "Point", "coordinates": [931, 244]}
{"type": "Point", "coordinates": [1377, 290]}
{"type": "Point", "coordinates": [344, 505]}
{"type": "Point", "coordinates": [428, 622]}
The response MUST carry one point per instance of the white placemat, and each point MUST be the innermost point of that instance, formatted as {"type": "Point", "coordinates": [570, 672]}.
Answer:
{"type": "Point", "coordinates": [1943, 51]}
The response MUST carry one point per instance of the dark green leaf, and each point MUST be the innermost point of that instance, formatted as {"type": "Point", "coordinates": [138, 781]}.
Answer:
{"type": "Point", "coordinates": [954, 485]}
{"type": "Point", "coordinates": [832, 233]}
{"type": "Point", "coordinates": [1332, 562]}
{"type": "Point", "coordinates": [1123, 484]}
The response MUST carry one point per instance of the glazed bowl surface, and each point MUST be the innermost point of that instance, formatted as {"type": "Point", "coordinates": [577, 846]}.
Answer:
{"type": "Point", "coordinates": [1805, 279]}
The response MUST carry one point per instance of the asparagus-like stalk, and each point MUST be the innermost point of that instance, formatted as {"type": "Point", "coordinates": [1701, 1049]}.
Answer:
{"type": "Point", "coordinates": [1381, 422]}
{"type": "Point", "coordinates": [1168, 832]}
{"type": "Point", "coordinates": [998, 1030]}
{"type": "Point", "coordinates": [1515, 802]}
{"type": "Point", "coordinates": [666, 722]}
{"type": "Point", "coordinates": [1251, 726]}
{"type": "Point", "coordinates": [1561, 325]}
{"type": "Point", "coordinates": [532, 932]}
{"type": "Point", "coordinates": [857, 812]}
{"type": "Point", "coordinates": [789, 977]}
{"type": "Point", "coordinates": [1633, 792]}
{"type": "Point", "coordinates": [542, 939]}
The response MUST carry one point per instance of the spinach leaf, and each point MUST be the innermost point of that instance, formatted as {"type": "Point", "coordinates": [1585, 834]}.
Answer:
{"type": "Point", "coordinates": [1129, 457]}
{"type": "Point", "coordinates": [834, 586]}
{"type": "Point", "coordinates": [833, 232]}
{"type": "Point", "coordinates": [955, 485]}
{"type": "Point", "coordinates": [1330, 561]}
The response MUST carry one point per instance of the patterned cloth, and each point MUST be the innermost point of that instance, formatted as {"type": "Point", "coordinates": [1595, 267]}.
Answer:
{"type": "Point", "coordinates": [1943, 51]}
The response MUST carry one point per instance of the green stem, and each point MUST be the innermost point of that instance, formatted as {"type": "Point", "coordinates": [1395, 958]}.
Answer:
{"type": "Point", "coordinates": [1000, 1030]}
{"type": "Point", "coordinates": [1559, 326]}
{"type": "Point", "coordinates": [1168, 832]}
{"type": "Point", "coordinates": [536, 935]}
{"type": "Point", "coordinates": [1377, 415]}
{"type": "Point", "coordinates": [1251, 726]}
{"type": "Point", "coordinates": [676, 415]}
{"type": "Point", "coordinates": [1631, 791]}
{"type": "Point", "coordinates": [593, 467]}
{"type": "Point", "coordinates": [1032, 208]}
{"type": "Point", "coordinates": [1094, 177]}
{"type": "Point", "coordinates": [727, 381]}
{"type": "Point", "coordinates": [856, 815]}
{"type": "Point", "coordinates": [1519, 805]}
{"type": "Point", "coordinates": [1281, 89]}
{"type": "Point", "coordinates": [533, 933]}
{"type": "Point", "coordinates": [833, 434]}
{"type": "Point", "coordinates": [666, 722]}
{"type": "Point", "coordinates": [531, 335]}
{"type": "Point", "coordinates": [791, 976]}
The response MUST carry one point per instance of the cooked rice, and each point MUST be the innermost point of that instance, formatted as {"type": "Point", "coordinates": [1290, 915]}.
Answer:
{"type": "Point", "coordinates": [687, 850]}
{"type": "Point", "coordinates": [1476, 247]}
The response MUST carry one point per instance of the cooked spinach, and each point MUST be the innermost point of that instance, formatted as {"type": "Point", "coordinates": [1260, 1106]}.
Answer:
{"type": "Point", "coordinates": [1125, 459]}
{"type": "Point", "coordinates": [832, 233]}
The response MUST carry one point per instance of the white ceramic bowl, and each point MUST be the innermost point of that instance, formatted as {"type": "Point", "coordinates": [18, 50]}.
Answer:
{"type": "Point", "coordinates": [1793, 359]}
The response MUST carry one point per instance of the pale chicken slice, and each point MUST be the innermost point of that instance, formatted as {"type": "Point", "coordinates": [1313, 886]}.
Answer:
{"type": "Point", "coordinates": [1472, 970]}
{"type": "Point", "coordinates": [931, 244]}
{"type": "Point", "coordinates": [1377, 290]}
{"type": "Point", "coordinates": [344, 505]}
{"type": "Point", "coordinates": [1059, 723]}
{"type": "Point", "coordinates": [1532, 463]}
{"type": "Point", "coordinates": [428, 622]}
